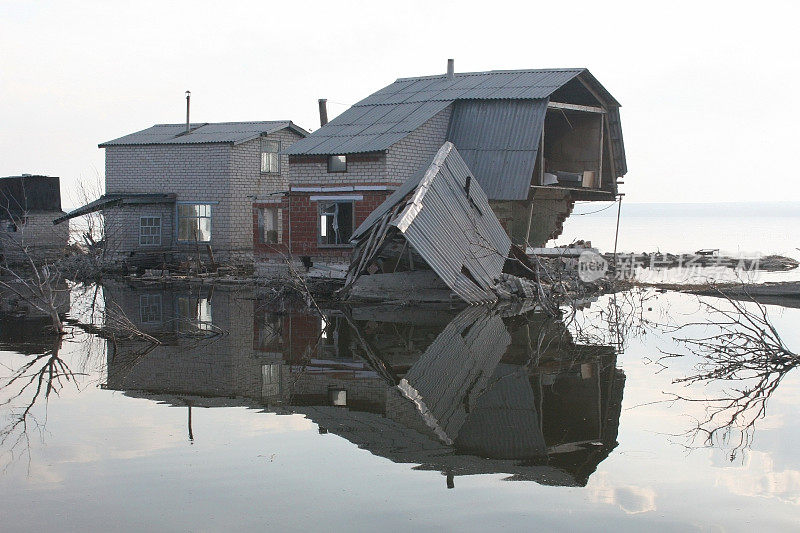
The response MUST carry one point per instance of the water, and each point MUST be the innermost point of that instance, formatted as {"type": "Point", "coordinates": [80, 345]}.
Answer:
{"type": "Point", "coordinates": [734, 228]}
{"type": "Point", "coordinates": [254, 413]}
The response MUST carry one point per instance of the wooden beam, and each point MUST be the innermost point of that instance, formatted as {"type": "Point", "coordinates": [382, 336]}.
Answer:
{"type": "Point", "coordinates": [575, 107]}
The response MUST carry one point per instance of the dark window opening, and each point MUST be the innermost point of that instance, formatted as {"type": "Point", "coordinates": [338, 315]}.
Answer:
{"type": "Point", "coordinates": [337, 163]}
{"type": "Point", "coordinates": [335, 223]}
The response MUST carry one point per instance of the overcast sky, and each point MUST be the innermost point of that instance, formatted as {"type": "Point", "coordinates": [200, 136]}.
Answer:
{"type": "Point", "coordinates": [706, 87]}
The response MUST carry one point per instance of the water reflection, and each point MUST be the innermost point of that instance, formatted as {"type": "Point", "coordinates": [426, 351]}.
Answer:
{"type": "Point", "coordinates": [462, 392]}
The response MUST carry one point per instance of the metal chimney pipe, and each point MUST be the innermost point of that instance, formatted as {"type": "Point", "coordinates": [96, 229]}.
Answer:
{"type": "Point", "coordinates": [451, 68]}
{"type": "Point", "coordinates": [323, 111]}
{"type": "Point", "coordinates": [188, 96]}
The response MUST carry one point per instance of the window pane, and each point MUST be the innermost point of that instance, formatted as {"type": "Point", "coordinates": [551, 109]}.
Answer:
{"type": "Point", "coordinates": [204, 230]}
{"type": "Point", "coordinates": [187, 229]}
{"type": "Point", "coordinates": [337, 163]}
{"type": "Point", "coordinates": [187, 210]}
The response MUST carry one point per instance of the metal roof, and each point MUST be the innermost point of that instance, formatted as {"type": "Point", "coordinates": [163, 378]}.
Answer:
{"type": "Point", "coordinates": [452, 228]}
{"type": "Point", "coordinates": [499, 141]}
{"type": "Point", "coordinates": [383, 118]}
{"type": "Point", "coordinates": [202, 133]}
{"type": "Point", "coordinates": [111, 200]}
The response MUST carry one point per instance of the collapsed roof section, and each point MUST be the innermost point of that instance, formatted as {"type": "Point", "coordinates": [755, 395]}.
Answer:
{"type": "Point", "coordinates": [442, 217]}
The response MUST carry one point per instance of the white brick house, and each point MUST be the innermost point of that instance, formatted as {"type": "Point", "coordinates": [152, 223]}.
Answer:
{"type": "Point", "coordinates": [172, 192]}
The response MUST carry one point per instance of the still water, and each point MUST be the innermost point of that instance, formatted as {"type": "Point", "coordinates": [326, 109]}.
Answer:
{"type": "Point", "coordinates": [250, 413]}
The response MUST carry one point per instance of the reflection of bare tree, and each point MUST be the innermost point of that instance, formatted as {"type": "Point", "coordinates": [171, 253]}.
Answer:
{"type": "Point", "coordinates": [742, 351]}
{"type": "Point", "coordinates": [39, 377]}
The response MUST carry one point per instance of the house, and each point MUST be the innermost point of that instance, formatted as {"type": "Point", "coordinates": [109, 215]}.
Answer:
{"type": "Point", "coordinates": [28, 206]}
{"type": "Point", "coordinates": [535, 140]}
{"type": "Point", "coordinates": [174, 191]}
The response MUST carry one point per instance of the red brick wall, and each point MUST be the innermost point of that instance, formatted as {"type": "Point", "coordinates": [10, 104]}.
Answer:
{"type": "Point", "coordinates": [305, 222]}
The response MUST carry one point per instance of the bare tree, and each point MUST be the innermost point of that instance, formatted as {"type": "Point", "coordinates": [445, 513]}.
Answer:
{"type": "Point", "coordinates": [744, 354]}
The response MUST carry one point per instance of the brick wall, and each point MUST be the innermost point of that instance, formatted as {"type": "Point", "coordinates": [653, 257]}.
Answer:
{"type": "Point", "coordinates": [36, 234]}
{"type": "Point", "coordinates": [228, 176]}
{"type": "Point", "coordinates": [405, 157]}
{"type": "Point", "coordinates": [305, 223]}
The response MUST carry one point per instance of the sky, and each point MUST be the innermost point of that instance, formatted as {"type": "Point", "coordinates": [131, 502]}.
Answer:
{"type": "Point", "coordinates": [702, 84]}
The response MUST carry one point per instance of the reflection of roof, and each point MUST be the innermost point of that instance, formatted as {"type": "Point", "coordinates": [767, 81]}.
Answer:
{"type": "Point", "coordinates": [221, 132]}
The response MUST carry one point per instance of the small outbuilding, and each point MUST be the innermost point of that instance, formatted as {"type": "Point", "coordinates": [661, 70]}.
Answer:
{"type": "Point", "coordinates": [28, 206]}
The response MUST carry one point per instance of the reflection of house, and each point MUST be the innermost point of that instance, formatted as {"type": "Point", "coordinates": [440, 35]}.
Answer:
{"type": "Point", "coordinates": [457, 392]}
{"type": "Point", "coordinates": [536, 141]}
{"type": "Point", "coordinates": [28, 206]}
{"type": "Point", "coordinates": [180, 189]}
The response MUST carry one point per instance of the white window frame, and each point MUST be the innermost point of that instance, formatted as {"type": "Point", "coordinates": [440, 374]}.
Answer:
{"type": "Point", "coordinates": [210, 218]}
{"type": "Point", "coordinates": [270, 159]}
{"type": "Point", "coordinates": [147, 304]}
{"type": "Point", "coordinates": [156, 236]}
{"type": "Point", "coordinates": [322, 219]}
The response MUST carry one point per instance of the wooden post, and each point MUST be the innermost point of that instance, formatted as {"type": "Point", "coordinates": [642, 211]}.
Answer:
{"type": "Point", "coordinates": [599, 182]}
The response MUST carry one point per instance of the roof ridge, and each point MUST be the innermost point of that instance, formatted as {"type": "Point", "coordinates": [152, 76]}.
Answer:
{"type": "Point", "coordinates": [479, 73]}
{"type": "Point", "coordinates": [200, 124]}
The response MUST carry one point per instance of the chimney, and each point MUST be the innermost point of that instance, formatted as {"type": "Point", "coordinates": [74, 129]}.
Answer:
{"type": "Point", "coordinates": [188, 96]}
{"type": "Point", "coordinates": [323, 111]}
{"type": "Point", "coordinates": [451, 68]}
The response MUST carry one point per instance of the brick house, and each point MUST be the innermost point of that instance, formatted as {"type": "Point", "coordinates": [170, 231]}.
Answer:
{"type": "Point", "coordinates": [536, 141]}
{"type": "Point", "coordinates": [173, 191]}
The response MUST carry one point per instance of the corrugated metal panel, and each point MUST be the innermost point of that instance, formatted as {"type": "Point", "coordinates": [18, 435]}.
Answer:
{"type": "Point", "coordinates": [419, 99]}
{"type": "Point", "coordinates": [454, 372]}
{"type": "Point", "coordinates": [615, 129]}
{"type": "Point", "coordinates": [499, 142]}
{"type": "Point", "coordinates": [453, 231]}
{"type": "Point", "coordinates": [222, 132]}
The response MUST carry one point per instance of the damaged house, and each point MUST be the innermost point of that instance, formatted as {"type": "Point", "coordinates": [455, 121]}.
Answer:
{"type": "Point", "coordinates": [177, 191]}
{"type": "Point", "coordinates": [536, 141]}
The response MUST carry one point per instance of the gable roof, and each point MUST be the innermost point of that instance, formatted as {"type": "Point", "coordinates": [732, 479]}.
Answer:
{"type": "Point", "coordinates": [383, 118]}
{"type": "Point", "coordinates": [204, 133]}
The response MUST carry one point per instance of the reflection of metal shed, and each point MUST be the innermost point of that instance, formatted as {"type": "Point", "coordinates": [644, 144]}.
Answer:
{"type": "Point", "coordinates": [443, 215]}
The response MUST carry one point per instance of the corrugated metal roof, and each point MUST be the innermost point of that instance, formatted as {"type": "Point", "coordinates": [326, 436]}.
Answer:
{"type": "Point", "coordinates": [456, 232]}
{"type": "Point", "coordinates": [221, 132]}
{"type": "Point", "coordinates": [406, 104]}
{"type": "Point", "coordinates": [499, 141]}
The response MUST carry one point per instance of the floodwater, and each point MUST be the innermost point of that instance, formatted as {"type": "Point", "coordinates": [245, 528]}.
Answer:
{"type": "Point", "coordinates": [251, 413]}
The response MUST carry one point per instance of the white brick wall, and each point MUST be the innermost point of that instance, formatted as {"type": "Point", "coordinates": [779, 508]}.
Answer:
{"type": "Point", "coordinates": [227, 176]}
{"type": "Point", "coordinates": [395, 165]}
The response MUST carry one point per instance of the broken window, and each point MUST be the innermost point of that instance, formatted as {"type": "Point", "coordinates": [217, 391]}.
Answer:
{"type": "Point", "coordinates": [335, 223]}
{"type": "Point", "coordinates": [337, 163]}
{"type": "Point", "coordinates": [269, 225]}
{"type": "Point", "coordinates": [150, 231]}
{"type": "Point", "coordinates": [270, 162]}
{"type": "Point", "coordinates": [194, 222]}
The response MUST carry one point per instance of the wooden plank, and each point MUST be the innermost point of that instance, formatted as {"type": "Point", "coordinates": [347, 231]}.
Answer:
{"type": "Point", "coordinates": [575, 107]}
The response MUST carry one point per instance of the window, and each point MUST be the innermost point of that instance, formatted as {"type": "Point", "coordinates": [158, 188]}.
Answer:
{"type": "Point", "coordinates": [270, 162]}
{"type": "Point", "coordinates": [195, 314]}
{"type": "Point", "coordinates": [335, 223]}
{"type": "Point", "coordinates": [337, 163]}
{"type": "Point", "coordinates": [270, 225]}
{"type": "Point", "coordinates": [194, 222]}
{"type": "Point", "coordinates": [150, 308]}
{"type": "Point", "coordinates": [150, 231]}
{"type": "Point", "coordinates": [9, 226]}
